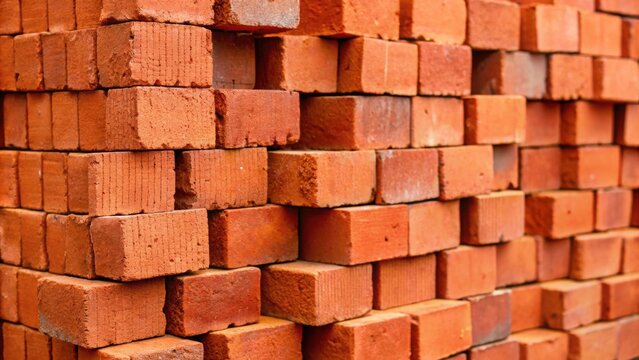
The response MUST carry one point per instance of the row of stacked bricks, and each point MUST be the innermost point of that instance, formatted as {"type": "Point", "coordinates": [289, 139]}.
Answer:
{"type": "Point", "coordinates": [320, 179]}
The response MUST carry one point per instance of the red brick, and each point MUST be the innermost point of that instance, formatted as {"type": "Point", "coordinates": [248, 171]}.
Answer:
{"type": "Point", "coordinates": [549, 28]}
{"type": "Point", "coordinates": [253, 236]}
{"type": "Point", "coordinates": [568, 304]}
{"type": "Point", "coordinates": [570, 77]}
{"type": "Point", "coordinates": [444, 69]}
{"type": "Point", "coordinates": [61, 15]}
{"type": "Point", "coordinates": [628, 334]}
{"type": "Point", "coordinates": [465, 171]}
{"type": "Point", "coordinates": [517, 261]}
{"type": "Point", "coordinates": [354, 235]}
{"type": "Point", "coordinates": [630, 38]}
{"type": "Point", "coordinates": [493, 119]}
{"type": "Point", "coordinates": [235, 294]}
{"type": "Point", "coordinates": [136, 247]}
{"type": "Point", "coordinates": [62, 350]}
{"type": "Point", "coordinates": [579, 4]}
{"type": "Point", "coordinates": [54, 182]}
{"type": "Point", "coordinates": [613, 208]}
{"type": "Point", "coordinates": [627, 125]}
{"type": "Point", "coordinates": [432, 324]}
{"type": "Point", "coordinates": [9, 192]}
{"type": "Point", "coordinates": [64, 120]}
{"type": "Point", "coordinates": [629, 172]}
{"type": "Point", "coordinates": [39, 121]}
{"type": "Point", "coordinates": [505, 167]}
{"type": "Point", "coordinates": [543, 123]}
{"type": "Point", "coordinates": [78, 179]}
{"type": "Point", "coordinates": [81, 60]}
{"type": "Point", "coordinates": [92, 120]}
{"type": "Point", "coordinates": [129, 54]}
{"type": "Point", "coordinates": [492, 218]}
{"type": "Point", "coordinates": [93, 313]}
{"type": "Point", "coordinates": [355, 122]}
{"type": "Point", "coordinates": [542, 344]}
{"type": "Point", "coordinates": [7, 61]}
{"type": "Point", "coordinates": [38, 344]}
{"type": "Point", "coordinates": [553, 258]}
{"type": "Point", "coordinates": [193, 12]}
{"type": "Point", "coordinates": [433, 226]}
{"type": "Point", "coordinates": [220, 179]}
{"type": "Point", "coordinates": [587, 123]}
{"type": "Point", "coordinates": [29, 69]}
{"type": "Point", "coordinates": [466, 271]}
{"type": "Point", "coordinates": [526, 307]}
{"type": "Point", "coordinates": [28, 296]}
{"type": "Point", "coordinates": [54, 61]}
{"type": "Point", "coordinates": [378, 335]}
{"type": "Point", "coordinates": [630, 250]}
{"type": "Point", "coordinates": [30, 179]}
{"type": "Point", "coordinates": [166, 347]}
{"type": "Point", "coordinates": [321, 178]}
{"type": "Point", "coordinates": [595, 255]}
{"type": "Point", "coordinates": [406, 176]}
{"type": "Point", "coordinates": [11, 239]}
{"type": "Point", "coordinates": [507, 349]}
{"type": "Point", "coordinates": [87, 13]}
{"type": "Point", "coordinates": [14, 341]}
{"type": "Point", "coordinates": [590, 167]}
{"type": "Point", "coordinates": [491, 316]}
{"type": "Point", "coordinates": [618, 6]}
{"type": "Point", "coordinates": [271, 16]}
{"type": "Point", "coordinates": [615, 79]}
{"type": "Point", "coordinates": [620, 296]}
{"type": "Point", "coordinates": [246, 118]}
{"type": "Point", "coordinates": [540, 168]}
{"type": "Point", "coordinates": [79, 259]}
{"type": "Point", "coordinates": [509, 73]}
{"type": "Point", "coordinates": [597, 341]}
{"type": "Point", "coordinates": [483, 35]}
{"type": "Point", "coordinates": [34, 16]}
{"type": "Point", "coordinates": [403, 281]}
{"type": "Point", "coordinates": [599, 34]}
{"type": "Point", "coordinates": [9, 293]}
{"type": "Point", "coordinates": [635, 208]}
{"type": "Point", "coordinates": [165, 118]}
{"type": "Point", "coordinates": [269, 339]}
{"type": "Point", "coordinates": [283, 63]}
{"type": "Point", "coordinates": [32, 244]}
{"type": "Point", "coordinates": [340, 293]}
{"type": "Point", "coordinates": [559, 214]}
{"type": "Point", "coordinates": [377, 67]}
{"type": "Point", "coordinates": [234, 59]}
{"type": "Point", "coordinates": [10, 22]}
{"type": "Point", "coordinates": [436, 121]}
{"type": "Point", "coordinates": [55, 238]}
{"type": "Point", "coordinates": [14, 120]}
{"type": "Point", "coordinates": [349, 18]}
{"type": "Point", "coordinates": [448, 27]}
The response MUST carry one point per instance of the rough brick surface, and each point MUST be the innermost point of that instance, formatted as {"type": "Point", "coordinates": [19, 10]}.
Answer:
{"type": "Point", "coordinates": [492, 218]}
{"type": "Point", "coordinates": [406, 176]}
{"type": "Point", "coordinates": [509, 73]}
{"type": "Point", "coordinates": [198, 12]}
{"type": "Point", "coordinates": [568, 304]}
{"type": "Point", "coordinates": [465, 171]}
{"type": "Point", "coordinates": [403, 281]}
{"type": "Point", "coordinates": [436, 121]}
{"type": "Point", "coordinates": [491, 316]}
{"type": "Point", "coordinates": [466, 271]}
{"type": "Point", "coordinates": [433, 226]}
{"type": "Point", "coordinates": [165, 347]}
{"type": "Point", "coordinates": [444, 69]}
{"type": "Point", "coordinates": [448, 27]}
{"type": "Point", "coordinates": [558, 214]}
{"type": "Point", "coordinates": [481, 32]}
{"type": "Point", "coordinates": [272, 16]}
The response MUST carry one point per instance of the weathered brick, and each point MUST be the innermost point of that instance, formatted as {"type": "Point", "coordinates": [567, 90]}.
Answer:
{"type": "Point", "coordinates": [271, 16]}
{"type": "Point", "coordinates": [509, 73]}
{"type": "Point", "coordinates": [234, 59]}
{"type": "Point", "coordinates": [194, 12]}
{"type": "Point", "coordinates": [491, 316]}
{"type": "Point", "coordinates": [492, 218]}
{"type": "Point", "coordinates": [444, 69]}
{"type": "Point", "coordinates": [465, 171]}
{"type": "Point", "coordinates": [436, 121]}
{"type": "Point", "coordinates": [568, 304]}
{"type": "Point", "coordinates": [559, 214]}
{"type": "Point", "coordinates": [165, 347]}
{"type": "Point", "coordinates": [407, 175]}
{"type": "Point", "coordinates": [595, 255]}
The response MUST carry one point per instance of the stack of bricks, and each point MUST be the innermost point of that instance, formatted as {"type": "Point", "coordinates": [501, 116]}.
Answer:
{"type": "Point", "coordinates": [319, 179]}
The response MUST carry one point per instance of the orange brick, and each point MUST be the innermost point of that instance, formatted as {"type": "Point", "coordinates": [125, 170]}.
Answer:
{"type": "Point", "coordinates": [9, 192]}
{"type": "Point", "coordinates": [253, 236]}
{"type": "Point", "coordinates": [599, 34]}
{"type": "Point", "coordinates": [28, 296]}
{"type": "Point", "coordinates": [38, 344]}
{"type": "Point", "coordinates": [234, 59]}
{"type": "Point", "coordinates": [590, 167]}
{"type": "Point", "coordinates": [559, 214]}
{"type": "Point", "coordinates": [505, 167]}
{"type": "Point", "coordinates": [629, 173]}
{"type": "Point", "coordinates": [433, 226]}
{"type": "Point", "coordinates": [165, 118]}
{"type": "Point", "coordinates": [92, 120]}
{"type": "Point", "coordinates": [540, 168]}
{"type": "Point", "coordinates": [403, 281]}
{"type": "Point", "coordinates": [34, 16]}
{"type": "Point", "coordinates": [507, 349]}
{"type": "Point", "coordinates": [220, 179]}
{"type": "Point", "coordinates": [273, 16]}
{"type": "Point", "coordinates": [54, 60]}
{"type": "Point", "coordinates": [269, 339]}
{"type": "Point", "coordinates": [597, 341]}
{"type": "Point", "coordinates": [54, 182]}
{"type": "Point", "coordinates": [517, 261]}
{"type": "Point", "coordinates": [87, 13]}
{"type": "Point", "coordinates": [30, 179]}
{"type": "Point", "coordinates": [483, 15]}
{"type": "Point", "coordinates": [128, 55]}
{"type": "Point", "coordinates": [64, 120]}
{"type": "Point", "coordinates": [14, 341]}
{"type": "Point", "coordinates": [613, 208]}
{"type": "Point", "coordinates": [92, 313]}
{"type": "Point", "coordinates": [509, 73]}
{"type": "Point", "coordinates": [61, 15]}
{"type": "Point", "coordinates": [542, 344]}
{"type": "Point", "coordinates": [615, 79]}
{"type": "Point", "coordinates": [317, 178]}
{"type": "Point", "coordinates": [355, 122]}
{"type": "Point", "coordinates": [380, 334]}
{"type": "Point", "coordinates": [79, 258]}
{"type": "Point", "coordinates": [627, 124]}
{"type": "Point", "coordinates": [29, 70]}
{"type": "Point", "coordinates": [526, 307]}
{"type": "Point", "coordinates": [9, 292]}
{"type": "Point", "coordinates": [595, 255]}
{"type": "Point", "coordinates": [406, 176]}
{"type": "Point", "coordinates": [7, 61]}
{"type": "Point", "coordinates": [618, 6]}
{"type": "Point", "coordinates": [354, 235]}
{"type": "Point", "coordinates": [341, 293]}
{"type": "Point", "coordinates": [628, 344]}
{"type": "Point", "coordinates": [432, 324]}
{"type": "Point", "coordinates": [493, 119]}
{"type": "Point", "coordinates": [283, 64]}
{"type": "Point", "coordinates": [444, 69]}
{"type": "Point", "coordinates": [32, 244]}
{"type": "Point", "coordinates": [579, 4]}
{"type": "Point", "coordinates": [466, 271]}
{"type": "Point", "coordinates": [196, 13]}
{"type": "Point", "coordinates": [436, 121]}
{"type": "Point", "coordinates": [235, 294]}
{"type": "Point", "coordinates": [449, 26]}
{"type": "Point", "coordinates": [491, 316]}
{"type": "Point", "coordinates": [14, 120]}
{"type": "Point", "coordinates": [465, 171]}
{"type": "Point", "coordinates": [39, 121]}
{"type": "Point", "coordinates": [630, 250]}
{"type": "Point", "coordinates": [166, 347]}
{"type": "Point", "coordinates": [620, 296]}
{"type": "Point", "coordinates": [553, 258]}
{"type": "Point", "coordinates": [55, 237]}
{"type": "Point", "coordinates": [492, 218]}
{"type": "Point", "coordinates": [568, 304]}
{"type": "Point", "coordinates": [543, 124]}
{"type": "Point", "coordinates": [246, 118]}
{"type": "Point", "coordinates": [630, 38]}
{"type": "Point", "coordinates": [10, 22]}
{"type": "Point", "coordinates": [137, 247]}
{"type": "Point", "coordinates": [62, 350]}
{"type": "Point", "coordinates": [81, 60]}
{"type": "Point", "coordinates": [570, 77]}
{"type": "Point", "coordinates": [584, 123]}
{"type": "Point", "coordinates": [376, 66]}
{"type": "Point", "coordinates": [11, 239]}
{"type": "Point", "coordinates": [549, 28]}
